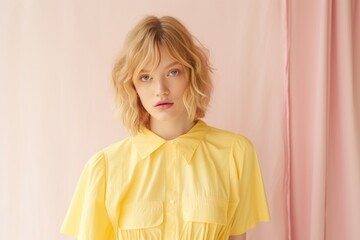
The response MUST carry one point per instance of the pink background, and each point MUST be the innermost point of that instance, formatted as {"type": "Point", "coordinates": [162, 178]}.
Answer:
{"type": "Point", "coordinates": [287, 76]}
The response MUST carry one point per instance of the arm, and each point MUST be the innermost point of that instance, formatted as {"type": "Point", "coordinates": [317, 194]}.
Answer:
{"type": "Point", "coordinates": [238, 237]}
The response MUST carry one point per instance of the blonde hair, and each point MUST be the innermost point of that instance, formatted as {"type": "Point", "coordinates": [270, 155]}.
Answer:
{"type": "Point", "coordinates": [142, 46]}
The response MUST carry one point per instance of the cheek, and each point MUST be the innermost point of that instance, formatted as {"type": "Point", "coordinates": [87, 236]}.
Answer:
{"type": "Point", "coordinates": [139, 91]}
{"type": "Point", "coordinates": [183, 86]}
{"type": "Point", "coordinates": [142, 96]}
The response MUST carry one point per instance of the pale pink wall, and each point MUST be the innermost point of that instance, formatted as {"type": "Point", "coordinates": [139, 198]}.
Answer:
{"type": "Point", "coordinates": [56, 100]}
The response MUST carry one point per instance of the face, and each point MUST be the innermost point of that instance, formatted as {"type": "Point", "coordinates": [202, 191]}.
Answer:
{"type": "Point", "coordinates": [161, 93]}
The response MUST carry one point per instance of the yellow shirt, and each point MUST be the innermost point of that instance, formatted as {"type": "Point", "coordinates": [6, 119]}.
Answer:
{"type": "Point", "coordinates": [205, 184]}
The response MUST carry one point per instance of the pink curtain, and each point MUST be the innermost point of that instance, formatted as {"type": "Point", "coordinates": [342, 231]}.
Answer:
{"type": "Point", "coordinates": [287, 76]}
{"type": "Point", "coordinates": [324, 119]}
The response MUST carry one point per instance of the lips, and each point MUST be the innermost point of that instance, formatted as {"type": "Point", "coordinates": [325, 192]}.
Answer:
{"type": "Point", "coordinates": [163, 105]}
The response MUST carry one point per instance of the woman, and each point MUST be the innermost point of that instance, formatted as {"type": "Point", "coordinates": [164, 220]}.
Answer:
{"type": "Point", "coordinates": [174, 177]}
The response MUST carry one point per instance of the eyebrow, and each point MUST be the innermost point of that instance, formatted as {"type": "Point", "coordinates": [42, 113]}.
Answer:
{"type": "Point", "coordinates": [168, 66]}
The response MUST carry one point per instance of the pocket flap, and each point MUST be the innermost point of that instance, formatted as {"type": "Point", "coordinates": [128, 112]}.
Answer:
{"type": "Point", "coordinates": [140, 215]}
{"type": "Point", "coordinates": [205, 210]}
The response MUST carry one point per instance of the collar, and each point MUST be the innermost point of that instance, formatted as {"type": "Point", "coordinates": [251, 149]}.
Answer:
{"type": "Point", "coordinates": [146, 141]}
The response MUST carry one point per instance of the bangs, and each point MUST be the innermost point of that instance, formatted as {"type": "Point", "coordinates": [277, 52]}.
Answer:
{"type": "Point", "coordinates": [149, 54]}
{"type": "Point", "coordinates": [179, 53]}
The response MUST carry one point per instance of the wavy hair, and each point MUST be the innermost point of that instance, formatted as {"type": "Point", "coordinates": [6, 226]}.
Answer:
{"type": "Point", "coordinates": [142, 46]}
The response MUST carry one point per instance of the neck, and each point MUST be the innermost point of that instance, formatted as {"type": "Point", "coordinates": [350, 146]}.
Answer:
{"type": "Point", "coordinates": [170, 130]}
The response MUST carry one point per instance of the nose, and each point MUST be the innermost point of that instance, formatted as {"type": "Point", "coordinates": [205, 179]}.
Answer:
{"type": "Point", "coordinates": [161, 88]}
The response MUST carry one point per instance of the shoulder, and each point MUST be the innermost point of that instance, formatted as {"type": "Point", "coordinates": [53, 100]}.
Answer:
{"type": "Point", "coordinates": [113, 151]}
{"type": "Point", "coordinates": [119, 147]}
{"type": "Point", "coordinates": [225, 137]}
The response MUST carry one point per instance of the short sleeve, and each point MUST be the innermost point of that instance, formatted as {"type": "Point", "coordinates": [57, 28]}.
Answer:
{"type": "Point", "coordinates": [87, 217]}
{"type": "Point", "coordinates": [248, 193]}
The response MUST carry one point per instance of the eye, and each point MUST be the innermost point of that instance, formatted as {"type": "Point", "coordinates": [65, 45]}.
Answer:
{"type": "Point", "coordinates": [144, 77]}
{"type": "Point", "coordinates": [174, 73]}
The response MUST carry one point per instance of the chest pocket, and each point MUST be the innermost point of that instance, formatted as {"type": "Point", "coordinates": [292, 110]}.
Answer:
{"type": "Point", "coordinates": [205, 210]}
{"type": "Point", "coordinates": [141, 220]}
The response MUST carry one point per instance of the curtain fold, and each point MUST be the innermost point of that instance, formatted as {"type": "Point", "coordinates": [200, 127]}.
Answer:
{"type": "Point", "coordinates": [309, 52]}
{"type": "Point", "coordinates": [343, 158]}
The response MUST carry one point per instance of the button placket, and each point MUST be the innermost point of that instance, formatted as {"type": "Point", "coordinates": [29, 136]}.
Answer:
{"type": "Point", "coordinates": [171, 206]}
